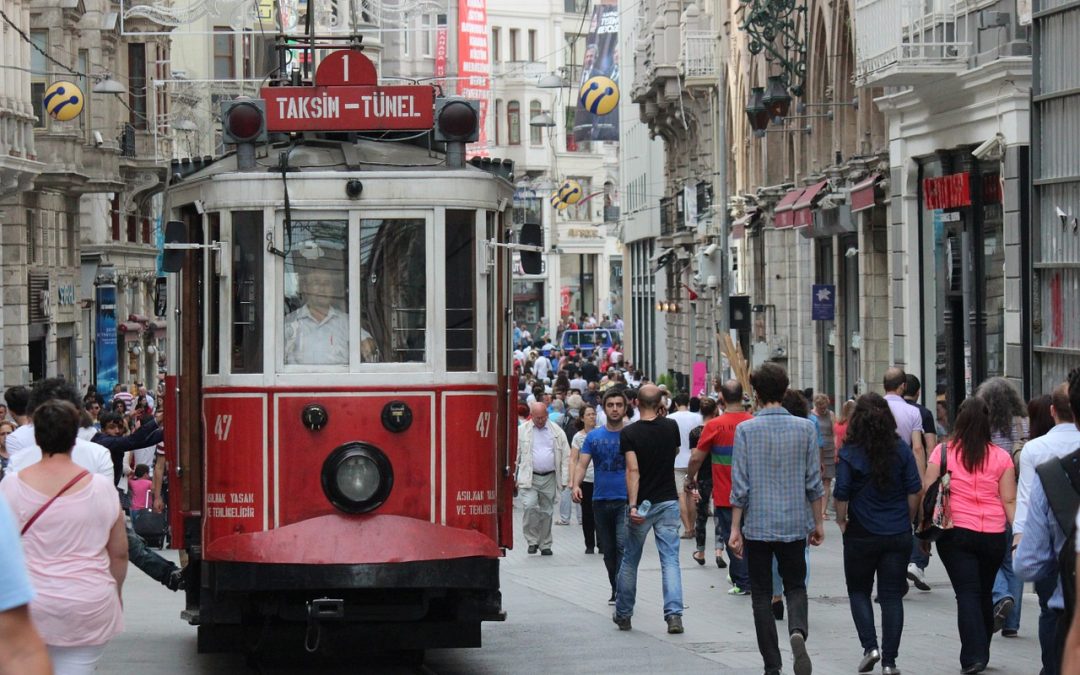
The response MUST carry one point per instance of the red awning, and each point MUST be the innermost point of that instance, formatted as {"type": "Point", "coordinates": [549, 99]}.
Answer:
{"type": "Point", "coordinates": [739, 225]}
{"type": "Point", "coordinates": [801, 211]}
{"type": "Point", "coordinates": [782, 215]}
{"type": "Point", "coordinates": [863, 195]}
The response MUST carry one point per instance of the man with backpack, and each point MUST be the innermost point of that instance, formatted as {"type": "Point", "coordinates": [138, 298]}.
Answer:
{"type": "Point", "coordinates": [1044, 526]}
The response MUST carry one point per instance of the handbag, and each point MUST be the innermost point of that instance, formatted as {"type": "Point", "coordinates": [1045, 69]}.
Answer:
{"type": "Point", "coordinates": [936, 508]}
{"type": "Point", "coordinates": [46, 505]}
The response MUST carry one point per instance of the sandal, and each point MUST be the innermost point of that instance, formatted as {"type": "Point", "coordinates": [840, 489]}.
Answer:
{"type": "Point", "coordinates": [699, 557]}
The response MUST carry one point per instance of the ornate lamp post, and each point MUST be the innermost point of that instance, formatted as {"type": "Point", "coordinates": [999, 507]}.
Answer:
{"type": "Point", "coordinates": [778, 29]}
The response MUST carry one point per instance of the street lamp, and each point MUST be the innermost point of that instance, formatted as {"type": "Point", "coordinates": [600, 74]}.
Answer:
{"type": "Point", "coordinates": [542, 121]}
{"type": "Point", "coordinates": [776, 99]}
{"type": "Point", "coordinates": [107, 85]}
{"type": "Point", "coordinates": [552, 81]}
{"type": "Point", "coordinates": [756, 111]}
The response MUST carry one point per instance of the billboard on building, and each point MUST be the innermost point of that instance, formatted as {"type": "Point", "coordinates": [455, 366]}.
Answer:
{"type": "Point", "coordinates": [474, 69]}
{"type": "Point", "coordinates": [601, 58]}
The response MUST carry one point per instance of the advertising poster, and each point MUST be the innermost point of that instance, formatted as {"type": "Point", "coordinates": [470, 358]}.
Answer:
{"type": "Point", "coordinates": [601, 58]}
{"type": "Point", "coordinates": [107, 373]}
{"type": "Point", "coordinates": [474, 69]}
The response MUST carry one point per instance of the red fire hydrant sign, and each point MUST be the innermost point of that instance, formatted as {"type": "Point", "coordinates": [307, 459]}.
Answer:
{"type": "Point", "coordinates": [346, 98]}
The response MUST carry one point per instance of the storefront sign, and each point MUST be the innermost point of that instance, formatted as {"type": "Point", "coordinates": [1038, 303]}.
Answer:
{"type": "Point", "coordinates": [823, 302]}
{"type": "Point", "coordinates": [65, 295]}
{"type": "Point", "coordinates": [947, 192]}
{"type": "Point", "coordinates": [106, 371]}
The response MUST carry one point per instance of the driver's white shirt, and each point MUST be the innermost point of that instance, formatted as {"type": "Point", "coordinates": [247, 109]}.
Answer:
{"type": "Point", "coordinates": [311, 342]}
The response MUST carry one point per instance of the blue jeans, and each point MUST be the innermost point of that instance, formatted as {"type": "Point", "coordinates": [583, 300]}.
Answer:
{"type": "Point", "coordinates": [740, 575]}
{"type": "Point", "coordinates": [921, 560]}
{"type": "Point", "coordinates": [1008, 585]}
{"type": "Point", "coordinates": [887, 557]}
{"type": "Point", "coordinates": [1048, 626]}
{"type": "Point", "coordinates": [155, 567]}
{"type": "Point", "coordinates": [610, 516]}
{"type": "Point", "coordinates": [664, 521]}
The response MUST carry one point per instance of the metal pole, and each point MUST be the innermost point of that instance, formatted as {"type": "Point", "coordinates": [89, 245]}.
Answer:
{"type": "Point", "coordinates": [724, 287]}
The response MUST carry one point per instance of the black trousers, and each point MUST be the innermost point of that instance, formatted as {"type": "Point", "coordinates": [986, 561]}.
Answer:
{"type": "Point", "coordinates": [588, 519]}
{"type": "Point", "coordinates": [701, 527]}
{"type": "Point", "coordinates": [790, 558]}
{"type": "Point", "coordinates": [972, 560]}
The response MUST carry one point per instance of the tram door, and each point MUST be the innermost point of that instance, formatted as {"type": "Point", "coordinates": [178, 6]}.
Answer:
{"type": "Point", "coordinates": [186, 476]}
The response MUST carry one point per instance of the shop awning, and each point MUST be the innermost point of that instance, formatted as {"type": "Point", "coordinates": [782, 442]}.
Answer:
{"type": "Point", "coordinates": [660, 258]}
{"type": "Point", "coordinates": [739, 225]}
{"type": "Point", "coordinates": [130, 330]}
{"type": "Point", "coordinates": [864, 194]}
{"type": "Point", "coordinates": [801, 215]}
{"type": "Point", "coordinates": [782, 214]}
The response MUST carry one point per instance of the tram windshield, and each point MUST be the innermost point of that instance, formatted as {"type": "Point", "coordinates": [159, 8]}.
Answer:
{"type": "Point", "coordinates": [318, 327]}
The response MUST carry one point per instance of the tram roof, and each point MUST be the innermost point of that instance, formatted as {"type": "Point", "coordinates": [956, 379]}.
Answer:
{"type": "Point", "coordinates": [329, 155]}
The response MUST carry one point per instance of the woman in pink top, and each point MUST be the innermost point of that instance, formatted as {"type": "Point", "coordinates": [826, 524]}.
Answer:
{"type": "Point", "coordinates": [983, 497]}
{"type": "Point", "coordinates": [76, 546]}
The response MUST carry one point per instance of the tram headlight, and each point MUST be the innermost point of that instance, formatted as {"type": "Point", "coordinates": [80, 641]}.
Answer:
{"type": "Point", "coordinates": [357, 477]}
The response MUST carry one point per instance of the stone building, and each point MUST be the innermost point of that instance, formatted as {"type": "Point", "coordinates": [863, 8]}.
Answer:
{"type": "Point", "coordinates": [752, 220]}
{"type": "Point", "coordinates": [92, 195]}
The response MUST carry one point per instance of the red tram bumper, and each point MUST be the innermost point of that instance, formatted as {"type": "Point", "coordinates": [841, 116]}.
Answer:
{"type": "Point", "coordinates": [337, 539]}
{"type": "Point", "coordinates": [362, 582]}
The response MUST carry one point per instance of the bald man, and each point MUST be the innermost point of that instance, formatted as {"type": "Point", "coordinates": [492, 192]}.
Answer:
{"type": "Point", "coordinates": [541, 469]}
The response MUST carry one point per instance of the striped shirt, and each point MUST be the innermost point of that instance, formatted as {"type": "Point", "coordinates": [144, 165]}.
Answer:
{"type": "Point", "coordinates": [776, 474]}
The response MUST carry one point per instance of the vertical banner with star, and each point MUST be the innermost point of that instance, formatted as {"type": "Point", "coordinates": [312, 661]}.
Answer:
{"type": "Point", "coordinates": [823, 302]}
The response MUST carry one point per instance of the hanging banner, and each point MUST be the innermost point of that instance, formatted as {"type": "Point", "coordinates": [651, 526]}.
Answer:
{"type": "Point", "coordinates": [442, 40]}
{"type": "Point", "coordinates": [106, 374]}
{"type": "Point", "coordinates": [601, 59]}
{"type": "Point", "coordinates": [474, 69]}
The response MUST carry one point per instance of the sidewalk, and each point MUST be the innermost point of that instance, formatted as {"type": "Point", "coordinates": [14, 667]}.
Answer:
{"type": "Point", "coordinates": [719, 627]}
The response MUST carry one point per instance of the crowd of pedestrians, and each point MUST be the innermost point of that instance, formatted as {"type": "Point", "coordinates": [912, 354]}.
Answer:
{"type": "Point", "coordinates": [75, 474]}
{"type": "Point", "coordinates": [995, 497]}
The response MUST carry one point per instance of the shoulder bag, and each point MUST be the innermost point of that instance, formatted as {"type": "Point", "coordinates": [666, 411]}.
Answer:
{"type": "Point", "coordinates": [46, 505]}
{"type": "Point", "coordinates": [936, 516]}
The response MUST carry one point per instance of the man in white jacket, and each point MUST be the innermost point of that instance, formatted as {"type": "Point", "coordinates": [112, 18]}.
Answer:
{"type": "Point", "coordinates": [540, 472]}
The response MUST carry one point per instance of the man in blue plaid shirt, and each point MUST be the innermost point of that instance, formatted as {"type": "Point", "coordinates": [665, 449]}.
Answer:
{"type": "Point", "coordinates": [776, 500]}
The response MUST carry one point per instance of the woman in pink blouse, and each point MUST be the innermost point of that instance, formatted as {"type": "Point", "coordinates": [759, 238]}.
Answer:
{"type": "Point", "coordinates": [75, 543]}
{"type": "Point", "coordinates": [983, 497]}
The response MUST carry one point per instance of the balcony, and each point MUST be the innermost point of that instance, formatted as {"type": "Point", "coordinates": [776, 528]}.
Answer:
{"type": "Point", "coordinates": [910, 42]}
{"type": "Point", "coordinates": [698, 61]}
{"type": "Point", "coordinates": [17, 164]}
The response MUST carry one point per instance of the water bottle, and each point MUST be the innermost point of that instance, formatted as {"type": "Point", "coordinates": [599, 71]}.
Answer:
{"type": "Point", "coordinates": [643, 508]}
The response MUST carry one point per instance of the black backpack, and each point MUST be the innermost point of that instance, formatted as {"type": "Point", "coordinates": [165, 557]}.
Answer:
{"type": "Point", "coordinates": [1061, 481]}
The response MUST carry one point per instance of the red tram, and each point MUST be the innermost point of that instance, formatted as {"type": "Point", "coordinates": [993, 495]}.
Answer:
{"type": "Point", "coordinates": [340, 415]}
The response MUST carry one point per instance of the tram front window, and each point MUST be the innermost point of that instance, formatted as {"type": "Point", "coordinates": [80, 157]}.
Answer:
{"type": "Point", "coordinates": [316, 293]}
{"type": "Point", "coordinates": [393, 277]}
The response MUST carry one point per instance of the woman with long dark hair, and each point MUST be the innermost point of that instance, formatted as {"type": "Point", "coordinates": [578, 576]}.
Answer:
{"type": "Point", "coordinates": [982, 485]}
{"type": "Point", "coordinates": [877, 494]}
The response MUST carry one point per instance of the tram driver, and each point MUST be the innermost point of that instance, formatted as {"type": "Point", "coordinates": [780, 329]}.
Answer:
{"type": "Point", "coordinates": [317, 333]}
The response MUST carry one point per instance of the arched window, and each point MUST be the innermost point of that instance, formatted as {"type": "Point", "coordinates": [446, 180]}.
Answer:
{"type": "Point", "coordinates": [513, 122]}
{"type": "Point", "coordinates": [536, 134]}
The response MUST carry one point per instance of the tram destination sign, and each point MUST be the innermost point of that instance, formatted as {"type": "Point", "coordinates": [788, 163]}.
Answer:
{"type": "Point", "coordinates": [349, 108]}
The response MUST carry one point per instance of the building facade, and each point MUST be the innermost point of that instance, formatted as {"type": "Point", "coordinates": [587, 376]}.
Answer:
{"type": "Point", "coordinates": [93, 194]}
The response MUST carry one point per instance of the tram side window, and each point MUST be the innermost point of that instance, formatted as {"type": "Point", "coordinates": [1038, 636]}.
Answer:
{"type": "Point", "coordinates": [247, 269]}
{"type": "Point", "coordinates": [213, 309]}
{"type": "Point", "coordinates": [460, 290]}
{"type": "Point", "coordinates": [393, 273]}
{"type": "Point", "coordinates": [316, 330]}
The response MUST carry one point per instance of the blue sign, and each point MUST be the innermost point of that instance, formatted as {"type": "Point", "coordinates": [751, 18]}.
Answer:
{"type": "Point", "coordinates": [823, 302]}
{"type": "Point", "coordinates": [106, 373]}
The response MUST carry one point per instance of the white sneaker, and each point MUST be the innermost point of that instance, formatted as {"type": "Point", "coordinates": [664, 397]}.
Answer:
{"type": "Point", "coordinates": [917, 577]}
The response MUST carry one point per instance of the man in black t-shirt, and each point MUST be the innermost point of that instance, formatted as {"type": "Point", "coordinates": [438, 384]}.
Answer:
{"type": "Point", "coordinates": [912, 386]}
{"type": "Point", "coordinates": [650, 445]}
